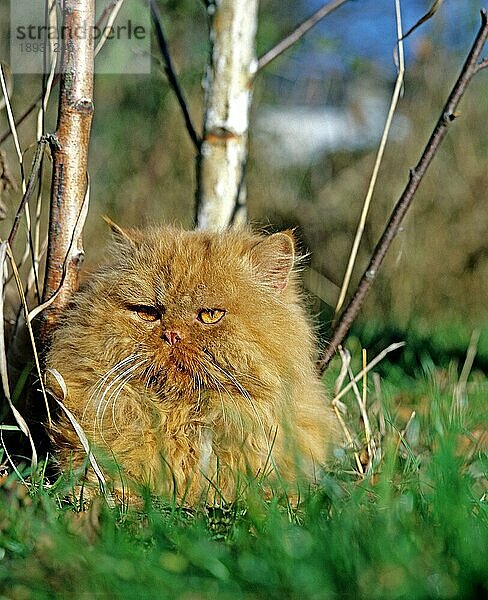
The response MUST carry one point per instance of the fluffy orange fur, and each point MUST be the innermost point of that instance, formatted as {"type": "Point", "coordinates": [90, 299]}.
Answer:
{"type": "Point", "coordinates": [189, 358]}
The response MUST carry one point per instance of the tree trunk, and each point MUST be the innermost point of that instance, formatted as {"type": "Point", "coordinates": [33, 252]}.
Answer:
{"type": "Point", "coordinates": [70, 152]}
{"type": "Point", "coordinates": [233, 63]}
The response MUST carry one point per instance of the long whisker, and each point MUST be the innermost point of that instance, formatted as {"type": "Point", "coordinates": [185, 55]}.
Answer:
{"type": "Point", "coordinates": [97, 387]}
{"type": "Point", "coordinates": [199, 384]}
{"type": "Point", "coordinates": [114, 396]}
{"type": "Point", "coordinates": [243, 392]}
{"type": "Point", "coordinates": [121, 376]}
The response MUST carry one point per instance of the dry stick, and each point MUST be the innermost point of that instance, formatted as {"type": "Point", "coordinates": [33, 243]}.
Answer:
{"type": "Point", "coordinates": [33, 276]}
{"type": "Point", "coordinates": [470, 67]}
{"type": "Point", "coordinates": [171, 75]}
{"type": "Point", "coordinates": [36, 167]}
{"type": "Point", "coordinates": [33, 105]}
{"type": "Point", "coordinates": [364, 414]}
{"type": "Point", "coordinates": [20, 156]}
{"type": "Point", "coordinates": [112, 11]}
{"type": "Point", "coordinates": [3, 364]}
{"type": "Point", "coordinates": [349, 439]}
{"type": "Point", "coordinates": [13, 129]}
{"type": "Point", "coordinates": [339, 407]}
{"type": "Point", "coordinates": [69, 159]}
{"type": "Point", "coordinates": [428, 15]}
{"type": "Point", "coordinates": [362, 411]}
{"type": "Point", "coordinates": [346, 359]}
{"type": "Point", "coordinates": [371, 365]}
{"type": "Point", "coordinates": [379, 158]}
{"type": "Point", "coordinates": [28, 322]}
{"type": "Point", "coordinates": [23, 116]}
{"type": "Point", "coordinates": [298, 33]}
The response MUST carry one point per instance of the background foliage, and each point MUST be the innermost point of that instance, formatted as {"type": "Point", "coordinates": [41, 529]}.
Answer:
{"type": "Point", "coordinates": [418, 528]}
{"type": "Point", "coordinates": [142, 162]}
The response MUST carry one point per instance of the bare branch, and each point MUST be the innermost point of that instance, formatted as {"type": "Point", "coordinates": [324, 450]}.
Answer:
{"type": "Point", "coordinates": [171, 75]}
{"type": "Point", "coordinates": [428, 15]}
{"type": "Point", "coordinates": [69, 184]}
{"type": "Point", "coordinates": [298, 33]}
{"type": "Point", "coordinates": [483, 64]}
{"type": "Point", "coordinates": [448, 114]}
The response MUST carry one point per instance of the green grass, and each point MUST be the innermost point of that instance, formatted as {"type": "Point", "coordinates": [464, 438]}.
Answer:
{"type": "Point", "coordinates": [418, 528]}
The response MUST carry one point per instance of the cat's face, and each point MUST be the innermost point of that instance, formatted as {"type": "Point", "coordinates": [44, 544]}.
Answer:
{"type": "Point", "coordinates": [197, 309]}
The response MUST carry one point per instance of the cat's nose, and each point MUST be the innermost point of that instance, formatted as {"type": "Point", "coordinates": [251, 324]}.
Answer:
{"type": "Point", "coordinates": [172, 337]}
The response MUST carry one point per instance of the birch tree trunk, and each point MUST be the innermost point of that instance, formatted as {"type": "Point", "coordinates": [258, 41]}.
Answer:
{"type": "Point", "coordinates": [70, 153]}
{"type": "Point", "coordinates": [228, 86]}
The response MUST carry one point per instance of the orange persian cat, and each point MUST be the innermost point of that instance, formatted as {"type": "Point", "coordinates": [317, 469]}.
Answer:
{"type": "Point", "coordinates": [189, 359]}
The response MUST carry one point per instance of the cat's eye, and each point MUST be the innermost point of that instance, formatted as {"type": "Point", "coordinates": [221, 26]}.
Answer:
{"type": "Point", "coordinates": [209, 316]}
{"type": "Point", "coordinates": [146, 313]}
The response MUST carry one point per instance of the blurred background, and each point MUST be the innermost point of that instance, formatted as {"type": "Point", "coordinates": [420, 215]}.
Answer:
{"type": "Point", "coordinates": [317, 118]}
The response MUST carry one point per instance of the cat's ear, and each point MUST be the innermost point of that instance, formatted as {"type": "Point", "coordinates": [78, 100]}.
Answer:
{"type": "Point", "coordinates": [273, 259]}
{"type": "Point", "coordinates": [122, 235]}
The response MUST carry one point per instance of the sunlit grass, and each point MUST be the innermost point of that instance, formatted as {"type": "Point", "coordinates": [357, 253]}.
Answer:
{"type": "Point", "coordinates": [416, 528]}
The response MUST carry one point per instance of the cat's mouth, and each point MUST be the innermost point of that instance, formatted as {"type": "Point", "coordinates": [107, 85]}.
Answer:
{"type": "Point", "coordinates": [181, 358]}
{"type": "Point", "coordinates": [197, 364]}
{"type": "Point", "coordinates": [185, 362]}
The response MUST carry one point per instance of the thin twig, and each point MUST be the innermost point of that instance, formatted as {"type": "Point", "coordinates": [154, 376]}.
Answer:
{"type": "Point", "coordinates": [380, 411]}
{"type": "Point", "coordinates": [448, 114]}
{"type": "Point", "coordinates": [337, 406]}
{"type": "Point", "coordinates": [345, 361]}
{"type": "Point", "coordinates": [36, 166]}
{"type": "Point", "coordinates": [348, 436]}
{"type": "Point", "coordinates": [4, 376]}
{"type": "Point", "coordinates": [298, 33]}
{"type": "Point", "coordinates": [370, 443]}
{"type": "Point", "coordinates": [483, 64]}
{"type": "Point", "coordinates": [370, 366]}
{"type": "Point", "coordinates": [20, 157]}
{"type": "Point", "coordinates": [362, 410]}
{"type": "Point", "coordinates": [171, 75]}
{"type": "Point", "coordinates": [428, 15]}
{"type": "Point", "coordinates": [28, 322]}
{"type": "Point", "coordinates": [112, 11]}
{"type": "Point", "coordinates": [6, 134]}
{"type": "Point", "coordinates": [377, 164]}
{"type": "Point", "coordinates": [13, 128]}
{"type": "Point", "coordinates": [47, 85]}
